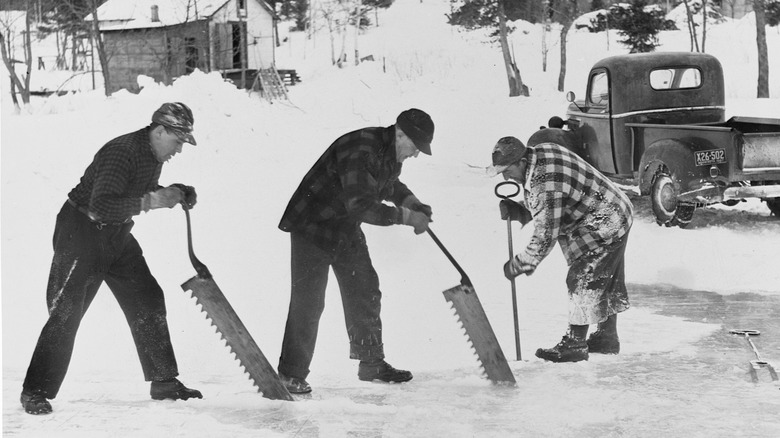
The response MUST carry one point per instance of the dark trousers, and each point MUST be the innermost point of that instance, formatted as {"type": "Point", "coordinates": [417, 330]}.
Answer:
{"type": "Point", "coordinates": [85, 255]}
{"type": "Point", "coordinates": [360, 296]}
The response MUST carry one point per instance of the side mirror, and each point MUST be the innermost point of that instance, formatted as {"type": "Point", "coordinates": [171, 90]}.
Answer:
{"type": "Point", "coordinates": [570, 96]}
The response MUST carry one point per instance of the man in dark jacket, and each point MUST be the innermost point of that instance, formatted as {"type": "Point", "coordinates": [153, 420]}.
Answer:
{"type": "Point", "coordinates": [576, 206]}
{"type": "Point", "coordinates": [345, 188]}
{"type": "Point", "coordinates": [92, 244]}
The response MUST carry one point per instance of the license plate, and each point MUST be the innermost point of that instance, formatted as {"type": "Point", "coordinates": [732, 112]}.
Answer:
{"type": "Point", "coordinates": [710, 157]}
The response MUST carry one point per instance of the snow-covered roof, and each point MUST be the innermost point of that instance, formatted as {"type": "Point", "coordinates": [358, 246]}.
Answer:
{"type": "Point", "coordinates": [137, 14]}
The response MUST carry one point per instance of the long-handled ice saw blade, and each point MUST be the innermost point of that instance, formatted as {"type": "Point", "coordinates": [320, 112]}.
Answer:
{"type": "Point", "coordinates": [237, 337]}
{"type": "Point", "coordinates": [479, 332]}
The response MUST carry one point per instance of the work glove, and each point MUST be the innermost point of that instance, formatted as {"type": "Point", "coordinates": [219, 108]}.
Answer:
{"type": "Point", "coordinates": [519, 264]}
{"type": "Point", "coordinates": [416, 219]}
{"type": "Point", "coordinates": [515, 211]}
{"type": "Point", "coordinates": [412, 203]}
{"type": "Point", "coordinates": [166, 197]}
{"type": "Point", "coordinates": [190, 197]}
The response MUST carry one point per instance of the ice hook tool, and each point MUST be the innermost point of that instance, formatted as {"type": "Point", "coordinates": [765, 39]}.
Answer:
{"type": "Point", "coordinates": [229, 326]}
{"type": "Point", "coordinates": [757, 363]}
{"type": "Point", "coordinates": [472, 317]}
{"type": "Point", "coordinates": [515, 190]}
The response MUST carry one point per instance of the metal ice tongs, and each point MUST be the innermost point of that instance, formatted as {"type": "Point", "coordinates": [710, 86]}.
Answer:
{"type": "Point", "coordinates": [758, 363]}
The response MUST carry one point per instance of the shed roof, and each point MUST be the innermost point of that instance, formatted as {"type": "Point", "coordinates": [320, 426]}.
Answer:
{"type": "Point", "coordinates": [137, 14]}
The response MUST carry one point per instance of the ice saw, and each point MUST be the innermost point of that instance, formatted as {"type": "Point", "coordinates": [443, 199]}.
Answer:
{"type": "Point", "coordinates": [472, 317]}
{"type": "Point", "coordinates": [229, 325]}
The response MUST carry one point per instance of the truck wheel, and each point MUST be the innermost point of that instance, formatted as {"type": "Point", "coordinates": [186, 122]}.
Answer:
{"type": "Point", "coordinates": [667, 209]}
{"type": "Point", "coordinates": [664, 199]}
{"type": "Point", "coordinates": [774, 205]}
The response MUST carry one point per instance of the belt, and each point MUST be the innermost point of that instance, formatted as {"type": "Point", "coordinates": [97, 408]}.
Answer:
{"type": "Point", "coordinates": [100, 224]}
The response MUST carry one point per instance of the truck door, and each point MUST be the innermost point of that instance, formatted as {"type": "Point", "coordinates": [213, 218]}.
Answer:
{"type": "Point", "coordinates": [597, 122]}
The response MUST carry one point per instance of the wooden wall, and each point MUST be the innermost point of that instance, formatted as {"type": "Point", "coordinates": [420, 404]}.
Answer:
{"type": "Point", "coordinates": [160, 53]}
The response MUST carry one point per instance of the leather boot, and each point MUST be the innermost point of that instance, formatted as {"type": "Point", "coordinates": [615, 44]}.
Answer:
{"type": "Point", "coordinates": [35, 403]}
{"type": "Point", "coordinates": [172, 389]}
{"type": "Point", "coordinates": [295, 385]}
{"type": "Point", "coordinates": [381, 370]}
{"type": "Point", "coordinates": [570, 349]}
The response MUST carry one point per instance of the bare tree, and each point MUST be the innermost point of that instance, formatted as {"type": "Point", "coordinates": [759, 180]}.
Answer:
{"type": "Point", "coordinates": [691, 28]}
{"type": "Point", "coordinates": [97, 44]}
{"type": "Point", "coordinates": [83, 14]}
{"type": "Point", "coordinates": [759, 7]}
{"type": "Point", "coordinates": [703, 25]}
{"type": "Point", "coordinates": [358, 17]}
{"type": "Point", "coordinates": [336, 15]}
{"type": "Point", "coordinates": [731, 4]}
{"type": "Point", "coordinates": [565, 12]}
{"type": "Point", "coordinates": [6, 39]}
{"type": "Point", "coordinates": [516, 86]}
{"type": "Point", "coordinates": [492, 14]}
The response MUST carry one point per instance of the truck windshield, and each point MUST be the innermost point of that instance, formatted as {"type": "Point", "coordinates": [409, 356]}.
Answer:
{"type": "Point", "coordinates": [675, 78]}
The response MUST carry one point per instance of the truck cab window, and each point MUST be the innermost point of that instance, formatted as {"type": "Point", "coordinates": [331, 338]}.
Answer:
{"type": "Point", "coordinates": [675, 78]}
{"type": "Point", "coordinates": [599, 89]}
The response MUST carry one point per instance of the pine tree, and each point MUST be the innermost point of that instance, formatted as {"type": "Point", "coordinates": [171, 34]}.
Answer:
{"type": "Point", "coordinates": [638, 25]}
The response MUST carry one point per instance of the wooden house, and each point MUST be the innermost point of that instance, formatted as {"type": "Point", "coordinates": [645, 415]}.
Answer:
{"type": "Point", "coordinates": [165, 39]}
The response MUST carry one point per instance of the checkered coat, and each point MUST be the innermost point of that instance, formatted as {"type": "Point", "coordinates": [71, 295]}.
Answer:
{"type": "Point", "coordinates": [122, 171]}
{"type": "Point", "coordinates": [572, 203]}
{"type": "Point", "coordinates": [347, 187]}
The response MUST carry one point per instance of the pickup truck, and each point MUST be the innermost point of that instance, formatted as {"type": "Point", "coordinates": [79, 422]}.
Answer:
{"type": "Point", "coordinates": [658, 120]}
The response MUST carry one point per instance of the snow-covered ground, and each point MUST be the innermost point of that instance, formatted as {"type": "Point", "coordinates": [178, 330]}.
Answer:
{"type": "Point", "coordinates": [680, 373]}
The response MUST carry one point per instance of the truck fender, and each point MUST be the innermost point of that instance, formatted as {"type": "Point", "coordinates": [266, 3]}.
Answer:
{"type": "Point", "coordinates": [565, 138]}
{"type": "Point", "coordinates": [665, 156]}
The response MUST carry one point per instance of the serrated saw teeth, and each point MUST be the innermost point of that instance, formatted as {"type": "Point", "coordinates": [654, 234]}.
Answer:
{"type": "Point", "coordinates": [236, 337]}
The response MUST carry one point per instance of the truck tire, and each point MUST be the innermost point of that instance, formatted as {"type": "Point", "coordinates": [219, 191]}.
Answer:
{"type": "Point", "coordinates": [667, 209]}
{"type": "Point", "coordinates": [774, 205]}
{"type": "Point", "coordinates": [663, 196]}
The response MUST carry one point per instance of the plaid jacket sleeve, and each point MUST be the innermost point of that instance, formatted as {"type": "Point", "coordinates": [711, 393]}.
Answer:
{"type": "Point", "coordinates": [573, 204]}
{"type": "Point", "coordinates": [400, 192]}
{"type": "Point", "coordinates": [547, 204]}
{"type": "Point", "coordinates": [363, 190]}
{"type": "Point", "coordinates": [121, 173]}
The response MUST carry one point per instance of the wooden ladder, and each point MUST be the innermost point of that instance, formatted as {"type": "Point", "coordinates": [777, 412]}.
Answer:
{"type": "Point", "coordinates": [270, 84]}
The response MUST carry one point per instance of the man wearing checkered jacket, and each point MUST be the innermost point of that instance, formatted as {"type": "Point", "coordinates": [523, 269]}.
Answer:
{"type": "Point", "coordinates": [590, 217]}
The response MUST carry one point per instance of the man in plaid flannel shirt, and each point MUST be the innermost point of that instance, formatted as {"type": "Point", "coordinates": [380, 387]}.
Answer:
{"type": "Point", "coordinates": [590, 218]}
{"type": "Point", "coordinates": [93, 244]}
{"type": "Point", "coordinates": [345, 188]}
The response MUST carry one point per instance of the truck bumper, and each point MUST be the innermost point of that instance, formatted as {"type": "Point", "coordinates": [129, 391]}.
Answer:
{"type": "Point", "coordinates": [710, 194]}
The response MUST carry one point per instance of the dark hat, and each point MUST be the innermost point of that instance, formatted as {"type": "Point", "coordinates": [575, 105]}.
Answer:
{"type": "Point", "coordinates": [177, 117]}
{"type": "Point", "coordinates": [418, 126]}
{"type": "Point", "coordinates": [506, 152]}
